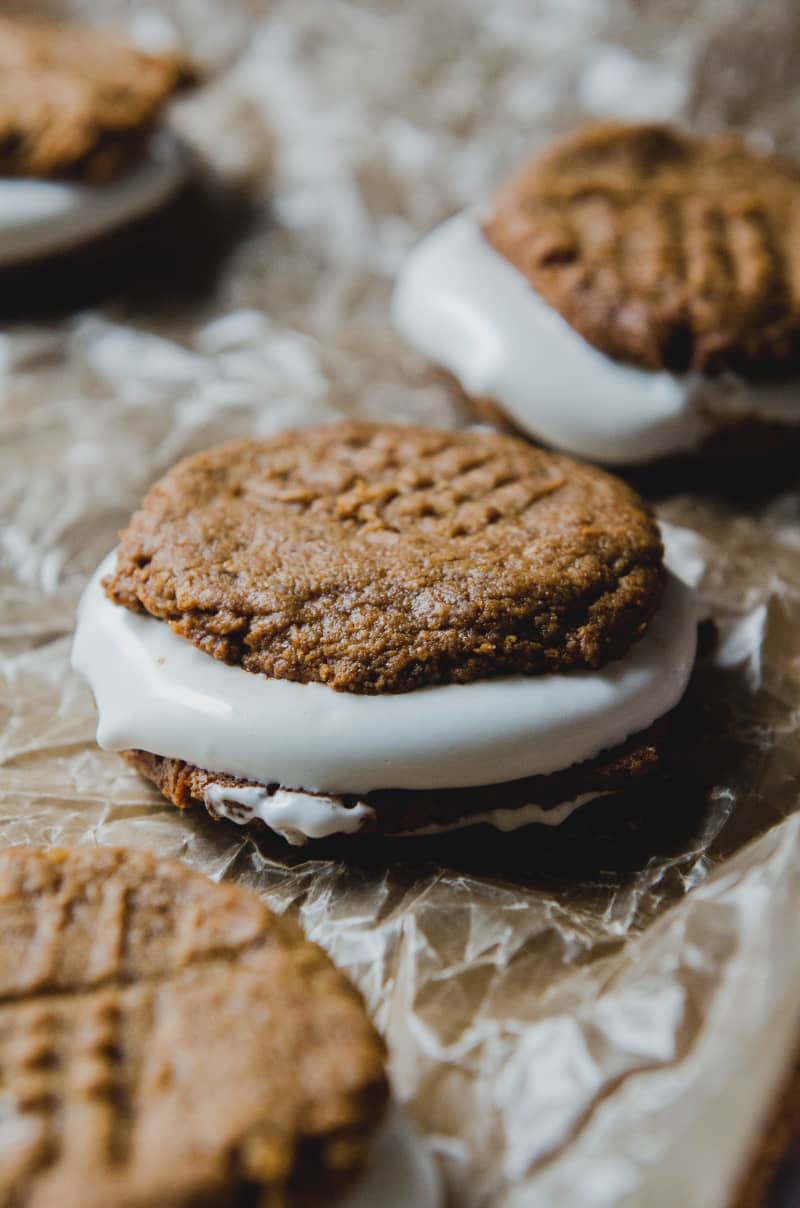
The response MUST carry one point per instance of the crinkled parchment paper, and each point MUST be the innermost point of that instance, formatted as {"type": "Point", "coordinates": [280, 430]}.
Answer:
{"type": "Point", "coordinates": [574, 1025]}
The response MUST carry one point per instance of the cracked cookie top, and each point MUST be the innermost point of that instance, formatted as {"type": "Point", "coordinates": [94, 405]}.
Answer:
{"type": "Point", "coordinates": [379, 559]}
{"type": "Point", "coordinates": [662, 249]}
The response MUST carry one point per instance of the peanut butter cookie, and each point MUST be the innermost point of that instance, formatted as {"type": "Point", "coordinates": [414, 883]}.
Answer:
{"type": "Point", "coordinates": [662, 249]}
{"type": "Point", "coordinates": [380, 559]}
{"type": "Point", "coordinates": [76, 102]}
{"type": "Point", "coordinates": [167, 1040]}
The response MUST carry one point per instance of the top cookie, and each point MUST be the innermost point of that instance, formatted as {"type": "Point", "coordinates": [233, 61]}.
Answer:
{"type": "Point", "coordinates": [376, 558]}
{"type": "Point", "coordinates": [74, 101]}
{"type": "Point", "coordinates": [662, 249]}
{"type": "Point", "coordinates": [167, 1040]}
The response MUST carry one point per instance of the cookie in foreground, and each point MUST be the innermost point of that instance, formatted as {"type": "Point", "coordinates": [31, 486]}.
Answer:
{"type": "Point", "coordinates": [630, 295]}
{"type": "Point", "coordinates": [367, 628]}
{"type": "Point", "coordinates": [80, 149]}
{"type": "Point", "coordinates": [169, 1040]}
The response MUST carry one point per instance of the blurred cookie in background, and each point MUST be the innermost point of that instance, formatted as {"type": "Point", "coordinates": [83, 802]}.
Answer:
{"type": "Point", "coordinates": [631, 294]}
{"type": "Point", "coordinates": [82, 149]}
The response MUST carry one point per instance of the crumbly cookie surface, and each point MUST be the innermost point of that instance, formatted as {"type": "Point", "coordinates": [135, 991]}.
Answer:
{"type": "Point", "coordinates": [76, 101]}
{"type": "Point", "coordinates": [376, 558]}
{"type": "Point", "coordinates": [402, 811]}
{"type": "Point", "coordinates": [660, 248]}
{"type": "Point", "coordinates": [167, 1040]}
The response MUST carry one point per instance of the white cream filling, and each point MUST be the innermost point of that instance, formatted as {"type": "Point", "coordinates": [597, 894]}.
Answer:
{"type": "Point", "coordinates": [298, 817]}
{"type": "Point", "coordinates": [511, 820]}
{"type": "Point", "coordinates": [294, 815]}
{"type": "Point", "coordinates": [156, 692]}
{"type": "Point", "coordinates": [42, 217]}
{"type": "Point", "coordinates": [468, 309]}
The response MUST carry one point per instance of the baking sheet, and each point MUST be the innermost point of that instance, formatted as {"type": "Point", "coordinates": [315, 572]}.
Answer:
{"type": "Point", "coordinates": [572, 1022]}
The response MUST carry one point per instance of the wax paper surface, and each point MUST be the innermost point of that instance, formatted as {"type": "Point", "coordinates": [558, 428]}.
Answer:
{"type": "Point", "coordinates": [578, 1023]}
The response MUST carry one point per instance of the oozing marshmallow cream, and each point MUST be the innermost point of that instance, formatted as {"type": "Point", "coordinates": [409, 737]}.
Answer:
{"type": "Point", "coordinates": [472, 312]}
{"type": "Point", "coordinates": [156, 692]}
{"type": "Point", "coordinates": [43, 217]}
{"type": "Point", "coordinates": [294, 815]}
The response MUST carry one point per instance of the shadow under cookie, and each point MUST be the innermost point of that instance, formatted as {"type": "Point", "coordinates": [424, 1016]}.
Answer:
{"type": "Point", "coordinates": [745, 462]}
{"type": "Point", "coordinates": [176, 252]}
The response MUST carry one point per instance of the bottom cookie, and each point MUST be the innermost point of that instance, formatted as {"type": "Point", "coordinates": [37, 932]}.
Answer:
{"type": "Point", "coordinates": [299, 816]}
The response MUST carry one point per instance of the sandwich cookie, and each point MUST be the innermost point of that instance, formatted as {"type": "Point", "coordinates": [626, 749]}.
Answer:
{"type": "Point", "coordinates": [631, 294]}
{"type": "Point", "coordinates": [168, 1040]}
{"type": "Point", "coordinates": [368, 628]}
{"type": "Point", "coordinates": [80, 153]}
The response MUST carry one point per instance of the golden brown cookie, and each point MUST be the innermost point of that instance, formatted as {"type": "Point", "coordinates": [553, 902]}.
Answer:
{"type": "Point", "coordinates": [661, 248]}
{"type": "Point", "coordinates": [167, 1040]}
{"type": "Point", "coordinates": [75, 101]}
{"type": "Point", "coordinates": [376, 558]}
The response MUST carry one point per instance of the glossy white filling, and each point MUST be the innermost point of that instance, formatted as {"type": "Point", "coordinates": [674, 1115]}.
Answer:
{"type": "Point", "coordinates": [298, 817]}
{"type": "Point", "coordinates": [511, 820]}
{"type": "Point", "coordinates": [42, 217]}
{"type": "Point", "coordinates": [468, 309]}
{"type": "Point", "coordinates": [157, 692]}
{"type": "Point", "coordinates": [290, 813]}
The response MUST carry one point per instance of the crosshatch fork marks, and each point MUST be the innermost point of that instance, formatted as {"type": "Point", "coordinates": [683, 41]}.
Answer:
{"type": "Point", "coordinates": [69, 1068]}
{"type": "Point", "coordinates": [168, 1040]}
{"type": "Point", "coordinates": [663, 249]}
{"type": "Point", "coordinates": [420, 557]}
{"type": "Point", "coordinates": [69, 927]}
